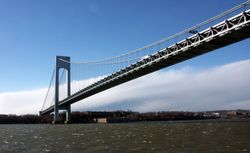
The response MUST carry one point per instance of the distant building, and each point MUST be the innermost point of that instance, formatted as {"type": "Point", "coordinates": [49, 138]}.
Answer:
{"type": "Point", "coordinates": [216, 114]}
{"type": "Point", "coordinates": [101, 120]}
{"type": "Point", "coordinates": [232, 114]}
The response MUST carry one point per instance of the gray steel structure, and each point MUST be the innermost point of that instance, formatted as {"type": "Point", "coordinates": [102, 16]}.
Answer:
{"type": "Point", "coordinates": [225, 33]}
{"type": "Point", "coordinates": [62, 65]}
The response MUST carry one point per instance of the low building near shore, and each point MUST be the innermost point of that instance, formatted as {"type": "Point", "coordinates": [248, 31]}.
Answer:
{"type": "Point", "coordinates": [232, 114]}
{"type": "Point", "coordinates": [101, 120]}
{"type": "Point", "coordinates": [216, 114]}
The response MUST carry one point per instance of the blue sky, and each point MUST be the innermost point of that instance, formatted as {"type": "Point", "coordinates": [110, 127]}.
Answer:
{"type": "Point", "coordinates": [33, 32]}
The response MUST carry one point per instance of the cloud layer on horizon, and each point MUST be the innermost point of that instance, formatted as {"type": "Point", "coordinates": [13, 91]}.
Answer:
{"type": "Point", "coordinates": [188, 89]}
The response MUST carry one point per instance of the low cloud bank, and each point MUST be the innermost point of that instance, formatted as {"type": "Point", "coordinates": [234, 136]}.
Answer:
{"type": "Point", "coordinates": [188, 89]}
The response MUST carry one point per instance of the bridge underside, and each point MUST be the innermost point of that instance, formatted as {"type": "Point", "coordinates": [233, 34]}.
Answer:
{"type": "Point", "coordinates": [162, 60]}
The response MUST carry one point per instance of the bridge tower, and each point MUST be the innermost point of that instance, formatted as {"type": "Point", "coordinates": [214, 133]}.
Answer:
{"type": "Point", "coordinates": [62, 62]}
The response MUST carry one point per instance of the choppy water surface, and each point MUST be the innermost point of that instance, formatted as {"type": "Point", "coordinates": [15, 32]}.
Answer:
{"type": "Point", "coordinates": [159, 137]}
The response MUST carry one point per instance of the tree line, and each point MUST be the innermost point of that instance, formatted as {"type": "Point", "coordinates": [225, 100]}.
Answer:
{"type": "Point", "coordinates": [114, 116]}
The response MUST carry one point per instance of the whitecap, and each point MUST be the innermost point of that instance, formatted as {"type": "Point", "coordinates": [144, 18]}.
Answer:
{"type": "Point", "coordinates": [67, 145]}
{"type": "Point", "coordinates": [204, 132]}
{"type": "Point", "coordinates": [5, 142]}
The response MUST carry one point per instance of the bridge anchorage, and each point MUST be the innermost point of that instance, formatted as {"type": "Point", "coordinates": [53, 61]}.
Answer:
{"type": "Point", "coordinates": [200, 39]}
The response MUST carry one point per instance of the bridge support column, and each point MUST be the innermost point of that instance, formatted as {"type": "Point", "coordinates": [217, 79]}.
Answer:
{"type": "Point", "coordinates": [68, 114]}
{"type": "Point", "coordinates": [64, 63]}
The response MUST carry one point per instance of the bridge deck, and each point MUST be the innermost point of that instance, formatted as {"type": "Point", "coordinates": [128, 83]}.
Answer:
{"type": "Point", "coordinates": [225, 33]}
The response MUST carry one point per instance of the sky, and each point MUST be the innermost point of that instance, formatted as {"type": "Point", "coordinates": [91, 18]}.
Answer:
{"type": "Point", "coordinates": [32, 33]}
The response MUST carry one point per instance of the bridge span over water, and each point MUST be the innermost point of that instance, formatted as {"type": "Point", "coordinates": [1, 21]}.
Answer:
{"type": "Point", "coordinates": [83, 82]}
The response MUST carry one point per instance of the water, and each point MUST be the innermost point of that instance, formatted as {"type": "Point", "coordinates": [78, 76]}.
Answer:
{"type": "Point", "coordinates": [159, 137]}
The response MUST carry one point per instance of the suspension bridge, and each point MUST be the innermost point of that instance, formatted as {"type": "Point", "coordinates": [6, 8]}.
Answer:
{"type": "Point", "coordinates": [74, 81]}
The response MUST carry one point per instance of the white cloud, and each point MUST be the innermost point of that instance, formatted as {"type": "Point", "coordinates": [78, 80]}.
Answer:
{"type": "Point", "coordinates": [222, 87]}
{"type": "Point", "coordinates": [21, 102]}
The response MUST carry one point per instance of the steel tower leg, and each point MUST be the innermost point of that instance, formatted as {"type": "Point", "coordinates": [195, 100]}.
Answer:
{"type": "Point", "coordinates": [68, 114]}
{"type": "Point", "coordinates": [64, 63]}
{"type": "Point", "coordinates": [56, 109]}
{"type": "Point", "coordinates": [68, 109]}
